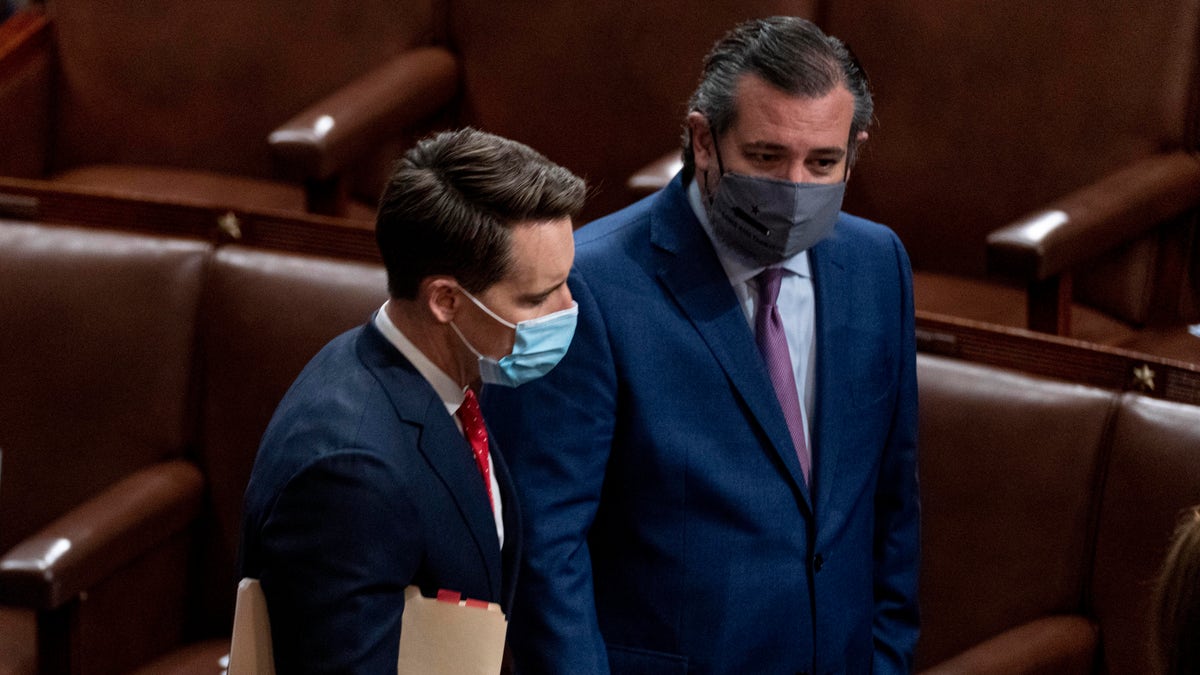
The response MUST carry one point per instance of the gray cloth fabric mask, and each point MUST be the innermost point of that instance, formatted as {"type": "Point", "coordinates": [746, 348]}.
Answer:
{"type": "Point", "coordinates": [767, 220]}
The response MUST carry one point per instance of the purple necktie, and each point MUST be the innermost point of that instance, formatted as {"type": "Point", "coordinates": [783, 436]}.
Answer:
{"type": "Point", "coordinates": [772, 342]}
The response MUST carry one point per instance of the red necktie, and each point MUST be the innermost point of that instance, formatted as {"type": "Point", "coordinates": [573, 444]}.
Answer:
{"type": "Point", "coordinates": [772, 342]}
{"type": "Point", "coordinates": [476, 433]}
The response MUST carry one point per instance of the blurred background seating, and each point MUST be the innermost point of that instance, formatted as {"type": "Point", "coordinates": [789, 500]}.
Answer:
{"type": "Point", "coordinates": [217, 102]}
{"type": "Point", "coordinates": [97, 390]}
{"type": "Point", "coordinates": [1075, 128]}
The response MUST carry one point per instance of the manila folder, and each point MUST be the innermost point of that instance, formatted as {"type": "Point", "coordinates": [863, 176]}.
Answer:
{"type": "Point", "coordinates": [439, 637]}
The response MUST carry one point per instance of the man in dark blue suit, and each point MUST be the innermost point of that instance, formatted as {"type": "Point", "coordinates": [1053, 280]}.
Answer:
{"type": "Point", "coordinates": [720, 477]}
{"type": "Point", "coordinates": [376, 471]}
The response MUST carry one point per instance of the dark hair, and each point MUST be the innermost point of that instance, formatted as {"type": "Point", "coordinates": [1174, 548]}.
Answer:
{"type": "Point", "coordinates": [451, 201]}
{"type": "Point", "coordinates": [789, 53]}
{"type": "Point", "coordinates": [1176, 616]}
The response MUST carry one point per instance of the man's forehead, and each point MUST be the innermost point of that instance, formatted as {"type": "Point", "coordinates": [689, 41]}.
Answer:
{"type": "Point", "coordinates": [765, 112]}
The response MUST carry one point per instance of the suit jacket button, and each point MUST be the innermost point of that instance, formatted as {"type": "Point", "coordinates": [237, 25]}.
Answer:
{"type": "Point", "coordinates": [818, 562]}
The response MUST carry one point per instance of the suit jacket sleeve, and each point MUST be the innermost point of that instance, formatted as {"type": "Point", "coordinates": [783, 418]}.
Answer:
{"type": "Point", "coordinates": [897, 509]}
{"type": "Point", "coordinates": [557, 434]}
{"type": "Point", "coordinates": [339, 546]}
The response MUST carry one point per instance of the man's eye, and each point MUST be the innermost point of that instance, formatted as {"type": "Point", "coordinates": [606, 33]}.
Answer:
{"type": "Point", "coordinates": [764, 157]}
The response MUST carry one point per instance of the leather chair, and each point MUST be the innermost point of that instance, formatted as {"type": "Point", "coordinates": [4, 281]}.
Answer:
{"type": "Point", "coordinates": [1035, 144]}
{"type": "Point", "coordinates": [251, 105]}
{"type": "Point", "coordinates": [96, 417]}
{"type": "Point", "coordinates": [140, 372]}
{"type": "Point", "coordinates": [1006, 512]}
{"type": "Point", "coordinates": [1045, 520]}
{"type": "Point", "coordinates": [1044, 143]}
{"type": "Point", "coordinates": [263, 316]}
{"type": "Point", "coordinates": [1154, 473]}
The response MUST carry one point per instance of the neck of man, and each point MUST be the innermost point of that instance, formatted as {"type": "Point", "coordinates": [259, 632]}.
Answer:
{"type": "Point", "coordinates": [436, 340]}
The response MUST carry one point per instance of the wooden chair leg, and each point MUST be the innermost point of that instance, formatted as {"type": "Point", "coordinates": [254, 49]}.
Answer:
{"type": "Point", "coordinates": [57, 651]}
{"type": "Point", "coordinates": [326, 197]}
{"type": "Point", "coordinates": [1049, 305]}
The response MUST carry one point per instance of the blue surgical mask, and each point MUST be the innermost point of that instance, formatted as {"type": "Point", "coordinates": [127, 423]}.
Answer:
{"type": "Point", "coordinates": [538, 346]}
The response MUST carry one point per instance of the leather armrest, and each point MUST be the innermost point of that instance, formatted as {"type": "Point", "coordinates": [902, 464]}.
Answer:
{"type": "Point", "coordinates": [329, 135]}
{"type": "Point", "coordinates": [655, 175]}
{"type": "Point", "coordinates": [1056, 645]}
{"type": "Point", "coordinates": [73, 553]}
{"type": "Point", "coordinates": [1097, 218]}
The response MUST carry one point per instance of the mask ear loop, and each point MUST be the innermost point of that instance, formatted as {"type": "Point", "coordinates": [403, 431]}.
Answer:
{"type": "Point", "coordinates": [850, 152]}
{"type": "Point", "coordinates": [499, 319]}
{"type": "Point", "coordinates": [717, 151]}
{"type": "Point", "coordinates": [464, 340]}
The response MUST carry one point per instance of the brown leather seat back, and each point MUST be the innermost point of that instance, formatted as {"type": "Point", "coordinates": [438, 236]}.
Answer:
{"type": "Point", "coordinates": [1153, 475]}
{"type": "Point", "coordinates": [1008, 463]}
{"type": "Point", "coordinates": [200, 84]}
{"type": "Point", "coordinates": [97, 336]}
{"type": "Point", "coordinates": [988, 112]}
{"type": "Point", "coordinates": [265, 315]}
{"type": "Point", "coordinates": [598, 87]}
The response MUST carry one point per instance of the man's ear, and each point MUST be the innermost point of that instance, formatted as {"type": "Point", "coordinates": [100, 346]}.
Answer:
{"type": "Point", "coordinates": [440, 297]}
{"type": "Point", "coordinates": [702, 141]}
{"type": "Point", "coordinates": [859, 139]}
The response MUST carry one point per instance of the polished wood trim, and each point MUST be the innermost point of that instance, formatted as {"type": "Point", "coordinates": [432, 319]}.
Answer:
{"type": "Point", "coordinates": [1048, 304]}
{"type": "Point", "coordinates": [1058, 357]}
{"type": "Point", "coordinates": [51, 203]}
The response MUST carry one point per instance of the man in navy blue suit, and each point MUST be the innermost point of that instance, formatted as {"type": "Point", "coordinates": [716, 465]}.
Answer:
{"type": "Point", "coordinates": [720, 477]}
{"type": "Point", "coordinates": [376, 471]}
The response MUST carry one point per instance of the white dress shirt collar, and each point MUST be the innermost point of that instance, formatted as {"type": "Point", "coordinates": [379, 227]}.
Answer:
{"type": "Point", "coordinates": [444, 385]}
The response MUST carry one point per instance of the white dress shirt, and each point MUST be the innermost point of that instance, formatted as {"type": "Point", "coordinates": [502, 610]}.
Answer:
{"type": "Point", "coordinates": [796, 305]}
{"type": "Point", "coordinates": [447, 390]}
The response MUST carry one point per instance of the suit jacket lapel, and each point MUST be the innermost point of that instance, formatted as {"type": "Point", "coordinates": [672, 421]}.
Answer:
{"type": "Point", "coordinates": [511, 554]}
{"type": "Point", "coordinates": [830, 398]}
{"type": "Point", "coordinates": [450, 455]}
{"type": "Point", "coordinates": [441, 443]}
{"type": "Point", "coordinates": [693, 275]}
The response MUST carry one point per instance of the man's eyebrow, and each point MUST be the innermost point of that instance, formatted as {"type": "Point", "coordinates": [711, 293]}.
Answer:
{"type": "Point", "coordinates": [538, 297]}
{"type": "Point", "coordinates": [834, 151]}
{"type": "Point", "coordinates": [763, 145]}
